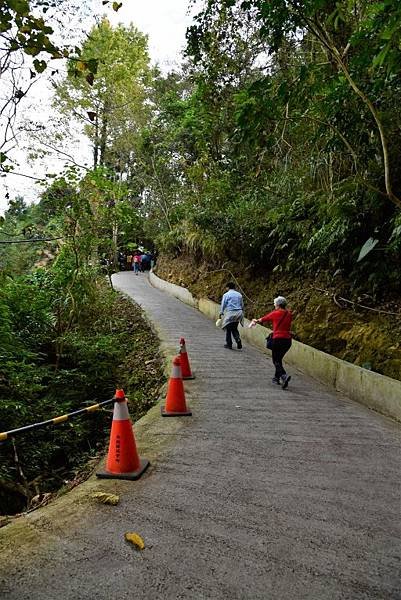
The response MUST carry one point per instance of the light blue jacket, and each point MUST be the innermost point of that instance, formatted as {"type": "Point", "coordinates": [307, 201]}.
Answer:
{"type": "Point", "coordinates": [232, 300]}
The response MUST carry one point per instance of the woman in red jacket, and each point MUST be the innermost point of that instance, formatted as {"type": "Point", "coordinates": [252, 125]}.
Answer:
{"type": "Point", "coordinates": [281, 343]}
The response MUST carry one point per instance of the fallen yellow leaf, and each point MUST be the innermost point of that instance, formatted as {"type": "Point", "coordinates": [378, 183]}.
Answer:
{"type": "Point", "coordinates": [106, 498]}
{"type": "Point", "coordinates": [135, 539]}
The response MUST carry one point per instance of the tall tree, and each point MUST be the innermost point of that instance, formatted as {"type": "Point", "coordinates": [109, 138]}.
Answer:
{"type": "Point", "coordinates": [112, 105]}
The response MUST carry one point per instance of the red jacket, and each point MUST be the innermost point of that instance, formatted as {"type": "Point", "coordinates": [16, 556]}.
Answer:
{"type": "Point", "coordinates": [276, 317]}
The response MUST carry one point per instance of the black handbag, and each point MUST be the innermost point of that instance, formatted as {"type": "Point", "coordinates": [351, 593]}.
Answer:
{"type": "Point", "coordinates": [269, 339]}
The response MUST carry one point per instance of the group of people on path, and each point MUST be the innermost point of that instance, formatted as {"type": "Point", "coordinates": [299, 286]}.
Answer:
{"type": "Point", "coordinates": [232, 314]}
{"type": "Point", "coordinates": [136, 261]}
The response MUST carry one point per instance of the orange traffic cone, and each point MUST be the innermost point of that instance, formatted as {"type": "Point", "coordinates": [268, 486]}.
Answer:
{"type": "Point", "coordinates": [123, 461]}
{"type": "Point", "coordinates": [185, 366]}
{"type": "Point", "coordinates": [175, 399]}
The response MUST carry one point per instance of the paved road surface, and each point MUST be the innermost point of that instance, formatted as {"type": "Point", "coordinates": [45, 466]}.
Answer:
{"type": "Point", "coordinates": [262, 494]}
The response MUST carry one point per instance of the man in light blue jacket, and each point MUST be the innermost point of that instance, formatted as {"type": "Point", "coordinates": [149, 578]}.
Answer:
{"type": "Point", "coordinates": [232, 313]}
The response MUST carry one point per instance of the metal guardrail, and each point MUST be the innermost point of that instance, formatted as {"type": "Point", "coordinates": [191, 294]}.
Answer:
{"type": "Point", "coordinates": [55, 421]}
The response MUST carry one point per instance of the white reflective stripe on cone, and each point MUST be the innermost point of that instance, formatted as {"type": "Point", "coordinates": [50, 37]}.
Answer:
{"type": "Point", "coordinates": [176, 374]}
{"type": "Point", "coordinates": [120, 411]}
{"type": "Point", "coordinates": [183, 348]}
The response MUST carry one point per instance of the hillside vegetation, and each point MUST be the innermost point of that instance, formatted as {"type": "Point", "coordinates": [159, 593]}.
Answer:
{"type": "Point", "coordinates": [67, 340]}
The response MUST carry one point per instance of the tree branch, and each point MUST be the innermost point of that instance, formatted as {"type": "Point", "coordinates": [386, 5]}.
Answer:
{"type": "Point", "coordinates": [319, 31]}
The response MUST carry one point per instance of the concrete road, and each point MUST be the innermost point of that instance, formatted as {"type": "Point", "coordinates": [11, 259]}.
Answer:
{"type": "Point", "coordinates": [262, 494]}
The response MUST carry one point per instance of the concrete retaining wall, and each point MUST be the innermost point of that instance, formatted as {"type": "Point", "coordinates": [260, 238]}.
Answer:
{"type": "Point", "coordinates": [378, 392]}
{"type": "Point", "coordinates": [174, 290]}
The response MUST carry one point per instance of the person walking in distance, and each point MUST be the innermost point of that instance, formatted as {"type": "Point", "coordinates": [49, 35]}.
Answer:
{"type": "Point", "coordinates": [281, 340]}
{"type": "Point", "coordinates": [136, 263]}
{"type": "Point", "coordinates": [232, 313]}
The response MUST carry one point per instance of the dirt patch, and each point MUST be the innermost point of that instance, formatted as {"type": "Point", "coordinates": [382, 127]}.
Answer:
{"type": "Point", "coordinates": [322, 318]}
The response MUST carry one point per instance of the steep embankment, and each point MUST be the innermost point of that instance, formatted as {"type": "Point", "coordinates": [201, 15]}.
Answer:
{"type": "Point", "coordinates": [322, 316]}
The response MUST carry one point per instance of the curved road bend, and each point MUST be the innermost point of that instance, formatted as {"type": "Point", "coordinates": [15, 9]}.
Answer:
{"type": "Point", "coordinates": [263, 494]}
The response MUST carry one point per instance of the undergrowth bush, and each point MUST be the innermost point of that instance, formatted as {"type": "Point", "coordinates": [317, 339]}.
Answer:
{"type": "Point", "coordinates": [110, 349]}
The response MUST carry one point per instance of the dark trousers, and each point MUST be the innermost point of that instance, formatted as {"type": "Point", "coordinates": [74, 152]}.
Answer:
{"type": "Point", "coordinates": [279, 349]}
{"type": "Point", "coordinates": [232, 330]}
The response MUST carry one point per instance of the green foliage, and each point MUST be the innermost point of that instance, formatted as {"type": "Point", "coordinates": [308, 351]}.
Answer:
{"type": "Point", "coordinates": [97, 356]}
{"type": "Point", "coordinates": [367, 247]}
{"type": "Point", "coordinates": [111, 103]}
{"type": "Point", "coordinates": [279, 146]}
{"type": "Point", "coordinates": [22, 29]}
{"type": "Point", "coordinates": [28, 301]}
{"type": "Point", "coordinates": [64, 336]}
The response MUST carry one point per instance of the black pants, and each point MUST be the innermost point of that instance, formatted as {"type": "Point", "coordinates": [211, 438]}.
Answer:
{"type": "Point", "coordinates": [232, 330]}
{"type": "Point", "coordinates": [279, 349]}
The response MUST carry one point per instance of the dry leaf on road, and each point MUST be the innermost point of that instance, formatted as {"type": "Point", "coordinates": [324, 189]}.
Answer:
{"type": "Point", "coordinates": [106, 498]}
{"type": "Point", "coordinates": [135, 539]}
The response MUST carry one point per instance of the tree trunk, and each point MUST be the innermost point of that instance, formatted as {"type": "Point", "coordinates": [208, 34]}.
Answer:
{"type": "Point", "coordinates": [103, 137]}
{"type": "Point", "coordinates": [96, 144]}
{"type": "Point", "coordinates": [115, 248]}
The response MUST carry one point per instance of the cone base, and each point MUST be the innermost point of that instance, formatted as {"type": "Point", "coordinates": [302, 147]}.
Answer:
{"type": "Point", "coordinates": [130, 476]}
{"type": "Point", "coordinates": [166, 413]}
{"type": "Point", "coordinates": [192, 376]}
